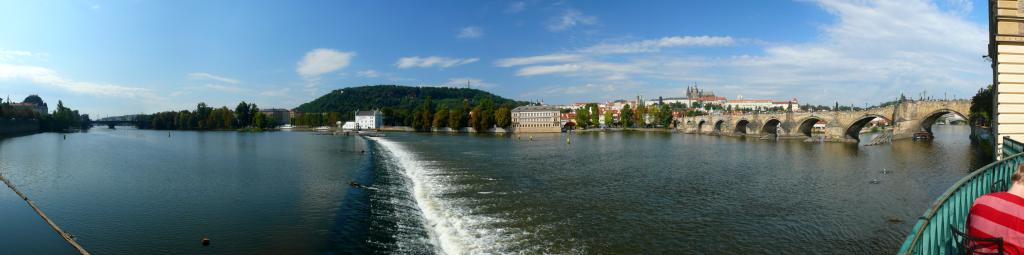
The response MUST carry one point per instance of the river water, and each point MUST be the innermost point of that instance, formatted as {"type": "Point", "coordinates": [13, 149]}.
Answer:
{"type": "Point", "coordinates": [131, 191]}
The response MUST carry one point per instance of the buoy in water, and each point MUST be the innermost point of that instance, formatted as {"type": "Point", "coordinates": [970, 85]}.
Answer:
{"type": "Point", "coordinates": [206, 241]}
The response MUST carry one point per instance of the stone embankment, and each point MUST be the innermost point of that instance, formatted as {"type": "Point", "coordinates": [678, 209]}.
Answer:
{"type": "Point", "coordinates": [18, 127]}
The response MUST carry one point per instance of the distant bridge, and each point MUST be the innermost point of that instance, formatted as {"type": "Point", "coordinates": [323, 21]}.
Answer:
{"type": "Point", "coordinates": [905, 119]}
{"type": "Point", "coordinates": [113, 123]}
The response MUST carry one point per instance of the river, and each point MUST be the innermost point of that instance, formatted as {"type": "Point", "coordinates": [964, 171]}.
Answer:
{"type": "Point", "coordinates": [132, 191]}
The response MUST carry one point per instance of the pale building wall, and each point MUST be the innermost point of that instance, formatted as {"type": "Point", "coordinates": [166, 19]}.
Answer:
{"type": "Point", "coordinates": [1007, 52]}
{"type": "Point", "coordinates": [542, 121]}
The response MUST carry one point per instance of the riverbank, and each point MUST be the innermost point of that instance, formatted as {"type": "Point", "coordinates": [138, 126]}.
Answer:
{"type": "Point", "coordinates": [18, 127]}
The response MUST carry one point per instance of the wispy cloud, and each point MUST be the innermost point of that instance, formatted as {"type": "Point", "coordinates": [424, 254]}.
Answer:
{"type": "Point", "coordinates": [470, 81]}
{"type": "Point", "coordinates": [275, 92]}
{"type": "Point", "coordinates": [321, 61]}
{"type": "Point", "coordinates": [570, 18]}
{"type": "Point", "coordinates": [471, 32]}
{"type": "Point", "coordinates": [47, 77]}
{"type": "Point", "coordinates": [509, 62]}
{"type": "Point", "coordinates": [226, 88]}
{"type": "Point", "coordinates": [432, 61]}
{"type": "Point", "coordinates": [16, 55]}
{"type": "Point", "coordinates": [657, 44]}
{"type": "Point", "coordinates": [208, 76]}
{"type": "Point", "coordinates": [515, 7]}
{"type": "Point", "coordinates": [550, 69]}
{"type": "Point", "coordinates": [368, 73]}
{"type": "Point", "coordinates": [872, 52]}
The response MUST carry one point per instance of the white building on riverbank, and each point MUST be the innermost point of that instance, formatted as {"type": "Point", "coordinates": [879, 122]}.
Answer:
{"type": "Point", "coordinates": [536, 119]}
{"type": "Point", "coordinates": [369, 119]}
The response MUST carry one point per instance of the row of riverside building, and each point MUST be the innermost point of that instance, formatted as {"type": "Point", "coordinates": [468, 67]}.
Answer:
{"type": "Point", "coordinates": [529, 119]}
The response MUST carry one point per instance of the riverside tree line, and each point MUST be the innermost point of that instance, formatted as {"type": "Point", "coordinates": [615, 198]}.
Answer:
{"type": "Point", "coordinates": [483, 116]}
{"type": "Point", "coordinates": [61, 120]}
{"type": "Point", "coordinates": [245, 116]}
{"type": "Point", "coordinates": [660, 115]}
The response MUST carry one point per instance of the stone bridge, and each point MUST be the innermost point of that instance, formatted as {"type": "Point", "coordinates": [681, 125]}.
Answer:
{"type": "Point", "coordinates": [906, 118]}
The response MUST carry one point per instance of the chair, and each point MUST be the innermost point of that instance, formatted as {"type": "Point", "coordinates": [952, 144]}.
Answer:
{"type": "Point", "coordinates": [966, 244]}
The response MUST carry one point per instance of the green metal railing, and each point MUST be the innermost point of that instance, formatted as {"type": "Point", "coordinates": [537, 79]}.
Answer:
{"type": "Point", "coordinates": [931, 234]}
{"type": "Point", "coordinates": [1011, 147]}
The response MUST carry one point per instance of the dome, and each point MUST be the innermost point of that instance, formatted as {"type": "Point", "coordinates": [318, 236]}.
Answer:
{"type": "Point", "coordinates": [35, 99]}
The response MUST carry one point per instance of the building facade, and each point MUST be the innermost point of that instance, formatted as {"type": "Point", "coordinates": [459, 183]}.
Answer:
{"type": "Point", "coordinates": [1006, 49]}
{"type": "Point", "coordinates": [369, 119]}
{"type": "Point", "coordinates": [749, 104]}
{"type": "Point", "coordinates": [33, 102]}
{"type": "Point", "coordinates": [536, 119]}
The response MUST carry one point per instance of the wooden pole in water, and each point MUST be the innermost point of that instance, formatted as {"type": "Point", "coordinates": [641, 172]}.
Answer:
{"type": "Point", "coordinates": [67, 237]}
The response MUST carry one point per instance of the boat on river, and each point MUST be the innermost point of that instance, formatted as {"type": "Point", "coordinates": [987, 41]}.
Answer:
{"type": "Point", "coordinates": [921, 136]}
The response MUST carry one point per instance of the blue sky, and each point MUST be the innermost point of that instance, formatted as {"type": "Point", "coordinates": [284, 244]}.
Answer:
{"type": "Point", "coordinates": [121, 57]}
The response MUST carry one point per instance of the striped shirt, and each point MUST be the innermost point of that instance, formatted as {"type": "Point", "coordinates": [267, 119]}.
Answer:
{"type": "Point", "coordinates": [1000, 215]}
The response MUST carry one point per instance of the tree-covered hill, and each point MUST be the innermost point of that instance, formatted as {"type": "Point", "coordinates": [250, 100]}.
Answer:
{"type": "Point", "coordinates": [399, 102]}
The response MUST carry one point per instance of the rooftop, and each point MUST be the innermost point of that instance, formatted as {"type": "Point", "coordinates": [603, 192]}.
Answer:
{"type": "Point", "coordinates": [534, 108]}
{"type": "Point", "coordinates": [367, 113]}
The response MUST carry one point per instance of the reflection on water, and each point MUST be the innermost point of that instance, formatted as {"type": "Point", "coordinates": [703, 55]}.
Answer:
{"type": "Point", "coordinates": [143, 192]}
{"type": "Point", "coordinates": [664, 193]}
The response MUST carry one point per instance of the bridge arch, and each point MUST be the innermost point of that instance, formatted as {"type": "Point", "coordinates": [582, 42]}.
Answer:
{"type": "Point", "coordinates": [853, 130]}
{"type": "Point", "coordinates": [700, 126]}
{"type": "Point", "coordinates": [741, 127]}
{"type": "Point", "coordinates": [806, 125]}
{"type": "Point", "coordinates": [771, 127]}
{"type": "Point", "coordinates": [718, 126]}
{"type": "Point", "coordinates": [931, 118]}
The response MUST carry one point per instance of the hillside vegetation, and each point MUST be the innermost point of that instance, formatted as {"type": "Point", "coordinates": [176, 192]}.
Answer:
{"type": "Point", "coordinates": [404, 105]}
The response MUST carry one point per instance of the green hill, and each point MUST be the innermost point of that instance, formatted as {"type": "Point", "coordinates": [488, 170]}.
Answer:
{"type": "Point", "coordinates": [398, 102]}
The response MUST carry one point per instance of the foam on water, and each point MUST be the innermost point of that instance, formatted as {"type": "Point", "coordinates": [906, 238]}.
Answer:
{"type": "Point", "coordinates": [453, 225]}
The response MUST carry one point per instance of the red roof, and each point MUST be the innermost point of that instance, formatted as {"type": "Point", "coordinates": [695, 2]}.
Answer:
{"type": "Point", "coordinates": [710, 98]}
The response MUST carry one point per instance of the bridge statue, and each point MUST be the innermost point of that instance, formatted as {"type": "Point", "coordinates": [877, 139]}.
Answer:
{"type": "Point", "coordinates": [905, 118]}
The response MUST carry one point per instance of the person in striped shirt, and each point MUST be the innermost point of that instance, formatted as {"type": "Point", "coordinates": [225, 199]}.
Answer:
{"type": "Point", "coordinates": [1000, 215]}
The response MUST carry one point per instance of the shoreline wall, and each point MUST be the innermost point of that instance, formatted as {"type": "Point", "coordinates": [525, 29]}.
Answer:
{"type": "Point", "coordinates": [18, 127]}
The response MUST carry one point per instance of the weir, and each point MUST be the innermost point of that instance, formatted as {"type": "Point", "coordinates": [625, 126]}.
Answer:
{"type": "Point", "coordinates": [67, 237]}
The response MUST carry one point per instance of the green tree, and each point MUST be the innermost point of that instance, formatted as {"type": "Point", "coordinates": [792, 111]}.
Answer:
{"type": "Point", "coordinates": [258, 121]}
{"type": "Point", "coordinates": [476, 118]}
{"type": "Point", "coordinates": [455, 119]}
{"type": "Point", "coordinates": [981, 107]}
{"type": "Point", "coordinates": [441, 117]}
{"type": "Point", "coordinates": [487, 113]}
{"type": "Point", "coordinates": [640, 115]}
{"type": "Point", "coordinates": [242, 114]}
{"type": "Point", "coordinates": [254, 110]}
{"type": "Point", "coordinates": [608, 121]}
{"type": "Point", "coordinates": [503, 117]}
{"type": "Point", "coordinates": [595, 115]}
{"type": "Point", "coordinates": [626, 117]}
{"type": "Point", "coordinates": [203, 116]}
{"type": "Point", "coordinates": [582, 118]}
{"type": "Point", "coordinates": [666, 115]}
